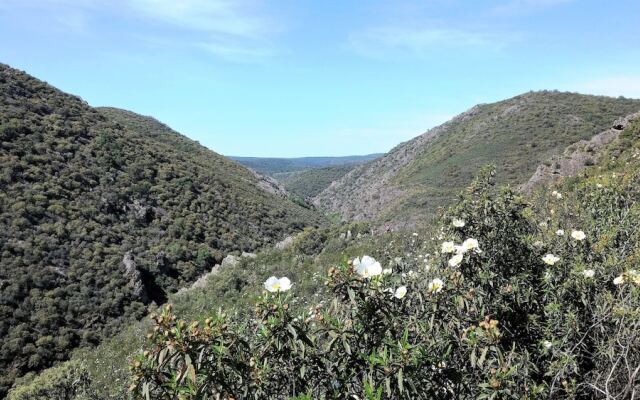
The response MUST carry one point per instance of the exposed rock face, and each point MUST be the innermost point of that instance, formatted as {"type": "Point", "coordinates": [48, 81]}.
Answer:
{"type": "Point", "coordinates": [283, 244]}
{"type": "Point", "coordinates": [229, 261]}
{"type": "Point", "coordinates": [269, 184]}
{"type": "Point", "coordinates": [577, 156]}
{"type": "Point", "coordinates": [135, 278]}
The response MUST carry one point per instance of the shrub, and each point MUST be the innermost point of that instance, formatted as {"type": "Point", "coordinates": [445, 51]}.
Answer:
{"type": "Point", "coordinates": [515, 302]}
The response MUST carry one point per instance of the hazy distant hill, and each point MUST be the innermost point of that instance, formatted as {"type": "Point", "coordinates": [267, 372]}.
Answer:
{"type": "Point", "coordinates": [104, 211]}
{"type": "Point", "coordinates": [274, 166]}
{"type": "Point", "coordinates": [516, 135]}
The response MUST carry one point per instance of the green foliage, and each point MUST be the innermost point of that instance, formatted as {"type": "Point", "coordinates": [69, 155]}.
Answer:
{"type": "Point", "coordinates": [86, 191]}
{"type": "Point", "coordinates": [516, 135]}
{"type": "Point", "coordinates": [69, 381]}
{"type": "Point", "coordinates": [311, 182]}
{"type": "Point", "coordinates": [504, 324]}
{"type": "Point", "coordinates": [279, 167]}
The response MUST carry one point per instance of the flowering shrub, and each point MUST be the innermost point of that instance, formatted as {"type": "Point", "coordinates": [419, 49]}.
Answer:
{"type": "Point", "coordinates": [499, 307]}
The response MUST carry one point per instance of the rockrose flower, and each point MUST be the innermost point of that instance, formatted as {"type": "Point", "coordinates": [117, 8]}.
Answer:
{"type": "Point", "coordinates": [456, 260]}
{"type": "Point", "coordinates": [367, 267]}
{"type": "Point", "coordinates": [386, 271]}
{"type": "Point", "coordinates": [400, 292]}
{"type": "Point", "coordinates": [589, 273]}
{"type": "Point", "coordinates": [436, 285]}
{"type": "Point", "coordinates": [619, 280]}
{"type": "Point", "coordinates": [458, 223]}
{"type": "Point", "coordinates": [550, 259]}
{"type": "Point", "coordinates": [578, 235]}
{"type": "Point", "coordinates": [448, 247]}
{"type": "Point", "coordinates": [274, 284]}
{"type": "Point", "coordinates": [471, 244]}
{"type": "Point", "coordinates": [556, 194]}
{"type": "Point", "coordinates": [560, 232]}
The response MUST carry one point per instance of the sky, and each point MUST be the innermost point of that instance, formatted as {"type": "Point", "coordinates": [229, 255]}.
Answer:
{"type": "Point", "coordinates": [288, 78]}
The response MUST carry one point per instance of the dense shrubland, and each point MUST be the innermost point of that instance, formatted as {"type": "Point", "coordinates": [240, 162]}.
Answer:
{"type": "Point", "coordinates": [101, 217]}
{"type": "Point", "coordinates": [508, 297]}
{"type": "Point", "coordinates": [511, 301]}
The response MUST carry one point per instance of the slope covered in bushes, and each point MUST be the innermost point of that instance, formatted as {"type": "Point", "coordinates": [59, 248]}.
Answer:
{"type": "Point", "coordinates": [98, 218]}
{"type": "Point", "coordinates": [516, 135]}
{"type": "Point", "coordinates": [509, 296]}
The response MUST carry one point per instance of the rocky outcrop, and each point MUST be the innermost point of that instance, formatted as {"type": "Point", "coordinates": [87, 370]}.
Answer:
{"type": "Point", "coordinates": [577, 156]}
{"type": "Point", "coordinates": [135, 278]}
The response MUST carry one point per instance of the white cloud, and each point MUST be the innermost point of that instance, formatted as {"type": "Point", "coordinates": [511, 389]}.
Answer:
{"type": "Point", "coordinates": [627, 86]}
{"type": "Point", "coordinates": [382, 42]}
{"type": "Point", "coordinates": [227, 17]}
{"type": "Point", "coordinates": [235, 30]}
{"type": "Point", "coordinates": [512, 7]}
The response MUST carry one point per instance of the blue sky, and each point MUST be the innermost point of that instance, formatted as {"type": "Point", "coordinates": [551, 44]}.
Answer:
{"type": "Point", "coordinates": [308, 77]}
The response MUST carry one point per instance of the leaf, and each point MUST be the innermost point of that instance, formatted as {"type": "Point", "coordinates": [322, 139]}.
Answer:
{"type": "Point", "coordinates": [191, 373]}
{"type": "Point", "coordinates": [400, 380]}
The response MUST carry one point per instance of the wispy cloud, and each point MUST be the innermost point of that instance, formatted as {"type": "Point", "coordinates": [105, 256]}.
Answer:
{"type": "Point", "coordinates": [385, 41]}
{"type": "Point", "coordinates": [235, 30]}
{"type": "Point", "coordinates": [514, 7]}
{"type": "Point", "coordinates": [227, 17]}
{"type": "Point", "coordinates": [627, 86]}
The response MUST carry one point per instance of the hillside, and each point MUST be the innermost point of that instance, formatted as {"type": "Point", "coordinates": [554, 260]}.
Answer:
{"type": "Point", "coordinates": [311, 182]}
{"type": "Point", "coordinates": [103, 212]}
{"type": "Point", "coordinates": [585, 341]}
{"type": "Point", "coordinates": [275, 166]}
{"type": "Point", "coordinates": [516, 135]}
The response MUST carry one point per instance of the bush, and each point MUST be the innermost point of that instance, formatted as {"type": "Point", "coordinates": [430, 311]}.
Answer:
{"type": "Point", "coordinates": [483, 316]}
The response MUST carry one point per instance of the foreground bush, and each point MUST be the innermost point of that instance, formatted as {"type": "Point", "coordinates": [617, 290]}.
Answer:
{"type": "Point", "coordinates": [499, 308]}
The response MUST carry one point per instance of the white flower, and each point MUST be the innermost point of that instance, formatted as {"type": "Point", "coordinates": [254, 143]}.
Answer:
{"type": "Point", "coordinates": [414, 234]}
{"type": "Point", "coordinates": [556, 194]}
{"type": "Point", "coordinates": [274, 284]}
{"type": "Point", "coordinates": [588, 273]}
{"type": "Point", "coordinates": [560, 232]}
{"type": "Point", "coordinates": [401, 292]}
{"type": "Point", "coordinates": [458, 223]}
{"type": "Point", "coordinates": [550, 259]}
{"type": "Point", "coordinates": [578, 235]}
{"type": "Point", "coordinates": [543, 225]}
{"type": "Point", "coordinates": [386, 271]}
{"type": "Point", "coordinates": [599, 185]}
{"type": "Point", "coordinates": [455, 260]}
{"type": "Point", "coordinates": [436, 285]}
{"type": "Point", "coordinates": [538, 243]}
{"type": "Point", "coordinates": [448, 247]}
{"type": "Point", "coordinates": [367, 267]}
{"type": "Point", "coordinates": [547, 344]}
{"type": "Point", "coordinates": [619, 280]}
{"type": "Point", "coordinates": [471, 244]}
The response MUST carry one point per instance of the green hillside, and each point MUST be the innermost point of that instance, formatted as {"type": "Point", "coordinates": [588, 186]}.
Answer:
{"type": "Point", "coordinates": [580, 331]}
{"type": "Point", "coordinates": [275, 166]}
{"type": "Point", "coordinates": [310, 182]}
{"type": "Point", "coordinates": [516, 135]}
{"type": "Point", "coordinates": [103, 212]}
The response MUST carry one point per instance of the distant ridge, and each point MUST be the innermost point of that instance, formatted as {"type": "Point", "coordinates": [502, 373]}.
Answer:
{"type": "Point", "coordinates": [282, 165]}
{"type": "Point", "coordinates": [409, 183]}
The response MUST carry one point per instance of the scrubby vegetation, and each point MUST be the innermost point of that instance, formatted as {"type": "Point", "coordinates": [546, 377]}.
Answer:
{"type": "Point", "coordinates": [510, 297]}
{"type": "Point", "coordinates": [507, 295]}
{"type": "Point", "coordinates": [276, 166]}
{"type": "Point", "coordinates": [310, 182]}
{"type": "Point", "coordinates": [101, 216]}
{"type": "Point", "coordinates": [515, 135]}
{"type": "Point", "coordinates": [502, 309]}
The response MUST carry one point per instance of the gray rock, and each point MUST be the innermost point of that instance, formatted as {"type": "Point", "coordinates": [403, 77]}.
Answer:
{"type": "Point", "coordinates": [135, 278]}
{"type": "Point", "coordinates": [286, 242]}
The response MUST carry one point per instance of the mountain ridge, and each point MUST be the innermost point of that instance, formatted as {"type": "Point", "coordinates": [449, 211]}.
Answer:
{"type": "Point", "coordinates": [100, 218]}
{"type": "Point", "coordinates": [424, 173]}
